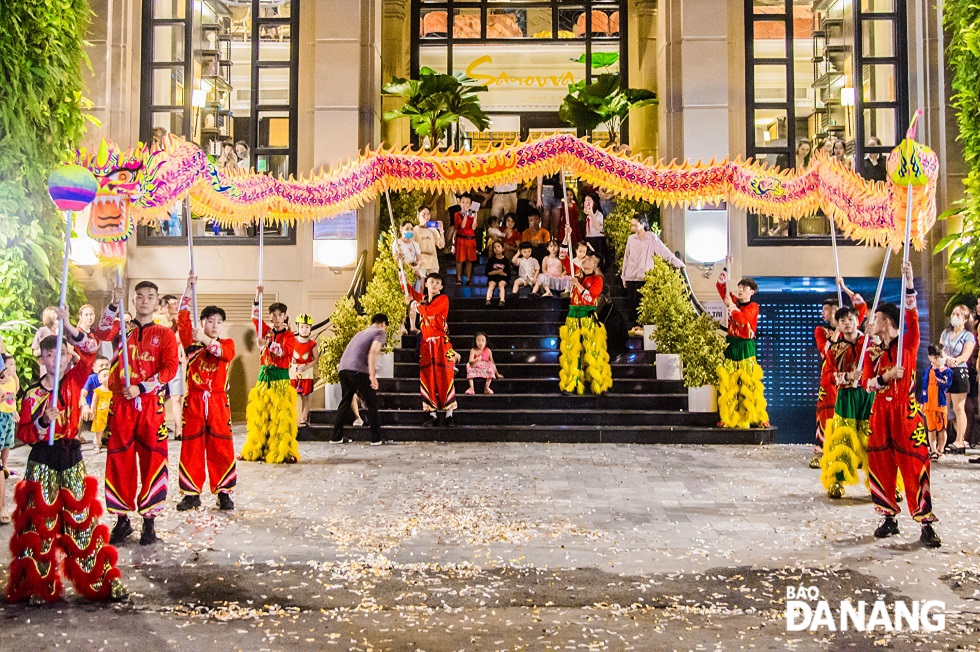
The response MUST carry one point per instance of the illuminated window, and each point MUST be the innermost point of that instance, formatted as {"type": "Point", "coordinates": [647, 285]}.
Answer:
{"type": "Point", "coordinates": [222, 74]}
{"type": "Point", "coordinates": [822, 71]}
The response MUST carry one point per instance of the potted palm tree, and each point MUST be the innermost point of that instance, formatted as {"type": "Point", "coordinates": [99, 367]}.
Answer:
{"type": "Point", "coordinates": [435, 101]}
{"type": "Point", "coordinates": [603, 101]}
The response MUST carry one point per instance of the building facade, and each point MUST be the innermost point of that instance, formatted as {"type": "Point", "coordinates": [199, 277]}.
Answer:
{"type": "Point", "coordinates": [292, 85]}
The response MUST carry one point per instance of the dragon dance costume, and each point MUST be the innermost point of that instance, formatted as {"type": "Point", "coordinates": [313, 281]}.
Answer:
{"type": "Point", "coordinates": [137, 435]}
{"type": "Point", "coordinates": [845, 446]}
{"type": "Point", "coordinates": [271, 411]}
{"type": "Point", "coordinates": [56, 517]}
{"type": "Point", "coordinates": [584, 358]}
{"type": "Point", "coordinates": [827, 392]}
{"type": "Point", "coordinates": [898, 440]}
{"type": "Point", "coordinates": [741, 403]}
{"type": "Point", "coordinates": [436, 355]}
{"type": "Point", "coordinates": [207, 413]}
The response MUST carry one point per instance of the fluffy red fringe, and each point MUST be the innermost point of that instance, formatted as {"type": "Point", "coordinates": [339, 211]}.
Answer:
{"type": "Point", "coordinates": [100, 537]}
{"type": "Point", "coordinates": [26, 581]}
{"type": "Point", "coordinates": [85, 583]}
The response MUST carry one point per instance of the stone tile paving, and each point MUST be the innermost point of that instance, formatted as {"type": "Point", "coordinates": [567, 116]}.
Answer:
{"type": "Point", "coordinates": [523, 547]}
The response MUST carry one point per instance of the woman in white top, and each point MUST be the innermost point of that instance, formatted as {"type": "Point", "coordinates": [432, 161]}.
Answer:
{"type": "Point", "coordinates": [641, 247]}
{"type": "Point", "coordinates": [959, 343]}
{"type": "Point", "coordinates": [595, 233]}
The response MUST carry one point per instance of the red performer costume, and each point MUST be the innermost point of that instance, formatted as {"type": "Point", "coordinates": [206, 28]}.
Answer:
{"type": "Point", "coordinates": [827, 393]}
{"type": "Point", "coordinates": [303, 354]}
{"type": "Point", "coordinates": [898, 439]}
{"type": "Point", "coordinates": [207, 412]}
{"type": "Point", "coordinates": [137, 434]}
{"type": "Point", "coordinates": [465, 235]}
{"type": "Point", "coordinates": [436, 354]}
{"type": "Point", "coordinates": [271, 412]}
{"type": "Point", "coordinates": [56, 519]}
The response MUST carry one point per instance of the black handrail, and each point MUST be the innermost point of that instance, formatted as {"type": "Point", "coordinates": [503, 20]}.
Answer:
{"type": "Point", "coordinates": [690, 292]}
{"type": "Point", "coordinates": [358, 284]}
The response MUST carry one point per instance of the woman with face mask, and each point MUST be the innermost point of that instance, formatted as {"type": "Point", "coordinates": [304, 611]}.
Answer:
{"type": "Point", "coordinates": [959, 343]}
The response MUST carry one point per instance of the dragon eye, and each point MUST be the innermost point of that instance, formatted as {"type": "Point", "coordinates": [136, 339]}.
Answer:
{"type": "Point", "coordinates": [122, 176]}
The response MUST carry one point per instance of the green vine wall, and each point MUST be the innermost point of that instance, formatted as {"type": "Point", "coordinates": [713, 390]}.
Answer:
{"type": "Point", "coordinates": [961, 19]}
{"type": "Point", "coordinates": [41, 120]}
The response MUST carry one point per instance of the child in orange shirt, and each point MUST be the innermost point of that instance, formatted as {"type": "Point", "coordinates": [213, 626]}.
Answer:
{"type": "Point", "coordinates": [935, 384]}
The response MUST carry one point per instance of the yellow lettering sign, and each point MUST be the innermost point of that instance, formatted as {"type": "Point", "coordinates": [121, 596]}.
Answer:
{"type": "Point", "coordinates": [504, 78]}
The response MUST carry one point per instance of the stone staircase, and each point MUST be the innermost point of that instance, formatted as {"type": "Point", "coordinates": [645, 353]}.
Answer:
{"type": "Point", "coordinates": [527, 405]}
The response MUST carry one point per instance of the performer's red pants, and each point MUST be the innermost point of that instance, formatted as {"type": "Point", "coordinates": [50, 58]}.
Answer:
{"type": "Point", "coordinates": [207, 440]}
{"type": "Point", "coordinates": [898, 441]}
{"type": "Point", "coordinates": [136, 437]}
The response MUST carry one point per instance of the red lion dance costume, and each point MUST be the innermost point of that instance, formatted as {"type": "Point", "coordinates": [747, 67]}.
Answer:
{"type": "Point", "coordinates": [207, 412]}
{"type": "Point", "coordinates": [57, 507]}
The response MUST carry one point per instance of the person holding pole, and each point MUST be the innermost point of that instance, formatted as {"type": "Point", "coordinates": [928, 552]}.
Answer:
{"type": "Point", "coordinates": [271, 411]}
{"type": "Point", "coordinates": [57, 506]}
{"type": "Point", "coordinates": [207, 443]}
{"type": "Point", "coordinates": [137, 448]}
{"type": "Point", "coordinates": [436, 353]}
{"type": "Point", "coordinates": [898, 440]}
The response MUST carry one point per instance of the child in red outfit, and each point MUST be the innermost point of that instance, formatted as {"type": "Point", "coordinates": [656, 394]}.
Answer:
{"type": "Point", "coordinates": [207, 413]}
{"type": "Point", "coordinates": [57, 506]}
{"type": "Point", "coordinates": [741, 403]}
{"type": "Point", "coordinates": [305, 357]}
{"type": "Point", "coordinates": [271, 412]}
{"type": "Point", "coordinates": [898, 439]}
{"type": "Point", "coordinates": [823, 335]}
{"type": "Point", "coordinates": [137, 447]}
{"type": "Point", "coordinates": [465, 222]}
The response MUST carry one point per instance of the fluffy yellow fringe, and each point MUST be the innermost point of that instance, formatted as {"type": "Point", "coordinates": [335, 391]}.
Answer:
{"type": "Point", "coordinates": [271, 419]}
{"type": "Point", "coordinates": [844, 452]}
{"type": "Point", "coordinates": [585, 339]}
{"type": "Point", "coordinates": [741, 403]}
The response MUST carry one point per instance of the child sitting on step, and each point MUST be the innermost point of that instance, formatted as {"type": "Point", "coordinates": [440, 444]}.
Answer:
{"type": "Point", "coordinates": [498, 273]}
{"type": "Point", "coordinates": [481, 364]}
{"type": "Point", "coordinates": [527, 268]}
{"type": "Point", "coordinates": [552, 276]}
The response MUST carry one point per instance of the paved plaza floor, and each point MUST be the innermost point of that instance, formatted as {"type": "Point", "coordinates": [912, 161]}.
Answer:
{"type": "Point", "coordinates": [523, 547]}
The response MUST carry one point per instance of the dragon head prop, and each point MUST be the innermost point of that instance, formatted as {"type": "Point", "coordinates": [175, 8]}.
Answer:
{"type": "Point", "coordinates": [118, 173]}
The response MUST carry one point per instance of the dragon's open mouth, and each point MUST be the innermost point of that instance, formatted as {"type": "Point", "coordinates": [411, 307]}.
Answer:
{"type": "Point", "coordinates": [108, 213]}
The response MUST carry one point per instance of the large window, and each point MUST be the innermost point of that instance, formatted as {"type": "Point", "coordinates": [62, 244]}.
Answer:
{"type": "Point", "coordinates": [829, 73]}
{"type": "Point", "coordinates": [223, 74]}
{"type": "Point", "coordinates": [527, 52]}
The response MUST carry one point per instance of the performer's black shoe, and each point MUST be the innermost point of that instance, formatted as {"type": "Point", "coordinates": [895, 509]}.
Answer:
{"type": "Point", "coordinates": [899, 497]}
{"type": "Point", "coordinates": [431, 421]}
{"type": "Point", "coordinates": [148, 536]}
{"type": "Point", "coordinates": [122, 530]}
{"type": "Point", "coordinates": [929, 538]}
{"type": "Point", "coordinates": [815, 462]}
{"type": "Point", "coordinates": [189, 501]}
{"type": "Point", "coordinates": [888, 527]}
{"type": "Point", "coordinates": [450, 422]}
{"type": "Point", "coordinates": [225, 503]}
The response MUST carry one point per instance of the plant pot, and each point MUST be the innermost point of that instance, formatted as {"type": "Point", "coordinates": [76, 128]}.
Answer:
{"type": "Point", "coordinates": [331, 396]}
{"type": "Point", "coordinates": [669, 366]}
{"type": "Point", "coordinates": [702, 399]}
{"type": "Point", "coordinates": [648, 343]}
{"type": "Point", "coordinates": [386, 365]}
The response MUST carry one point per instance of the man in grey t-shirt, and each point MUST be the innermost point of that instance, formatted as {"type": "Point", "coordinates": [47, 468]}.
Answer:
{"type": "Point", "coordinates": [358, 375]}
